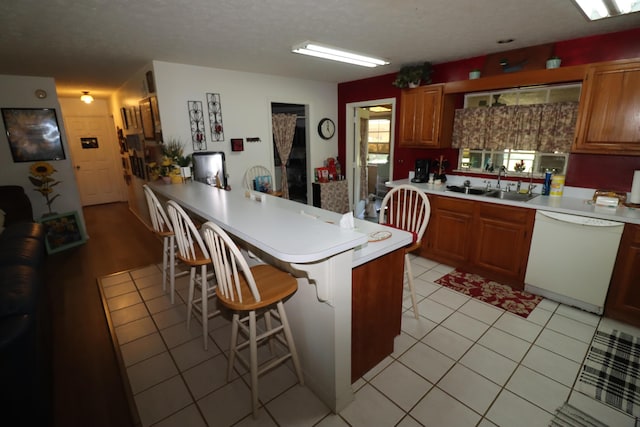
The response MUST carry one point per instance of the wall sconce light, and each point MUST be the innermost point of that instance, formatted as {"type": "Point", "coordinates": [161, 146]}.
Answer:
{"type": "Point", "coordinates": [335, 54]}
{"type": "Point", "coordinates": [86, 98]}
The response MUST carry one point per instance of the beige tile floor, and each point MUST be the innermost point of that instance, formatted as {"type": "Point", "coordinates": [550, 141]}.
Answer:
{"type": "Point", "coordinates": [463, 363]}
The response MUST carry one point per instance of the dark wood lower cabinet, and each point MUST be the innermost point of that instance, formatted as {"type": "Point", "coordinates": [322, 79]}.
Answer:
{"type": "Point", "coordinates": [623, 299]}
{"type": "Point", "coordinates": [489, 239]}
{"type": "Point", "coordinates": [376, 311]}
{"type": "Point", "coordinates": [502, 238]}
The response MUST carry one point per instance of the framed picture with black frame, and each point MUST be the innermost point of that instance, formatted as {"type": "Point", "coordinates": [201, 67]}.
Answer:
{"type": "Point", "coordinates": [33, 134]}
{"type": "Point", "coordinates": [146, 114]}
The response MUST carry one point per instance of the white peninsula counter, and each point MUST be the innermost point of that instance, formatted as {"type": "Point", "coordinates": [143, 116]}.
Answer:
{"type": "Point", "coordinates": [333, 265]}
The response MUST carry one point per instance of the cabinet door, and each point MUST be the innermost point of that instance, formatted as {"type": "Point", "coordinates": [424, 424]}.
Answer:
{"type": "Point", "coordinates": [609, 119]}
{"type": "Point", "coordinates": [448, 237]}
{"type": "Point", "coordinates": [420, 110]}
{"type": "Point", "coordinates": [623, 299]}
{"type": "Point", "coordinates": [502, 237]}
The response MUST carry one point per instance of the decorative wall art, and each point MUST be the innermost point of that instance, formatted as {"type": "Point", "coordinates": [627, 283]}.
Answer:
{"type": "Point", "coordinates": [215, 116]}
{"type": "Point", "coordinates": [133, 117]}
{"type": "Point", "coordinates": [155, 111]}
{"type": "Point", "coordinates": [196, 121]}
{"type": "Point", "coordinates": [33, 134]}
{"type": "Point", "coordinates": [253, 139]}
{"type": "Point", "coordinates": [146, 114]}
{"type": "Point", "coordinates": [62, 231]}
{"type": "Point", "coordinates": [87, 143]}
{"type": "Point", "coordinates": [151, 85]}
{"type": "Point", "coordinates": [237, 144]}
{"type": "Point", "coordinates": [125, 119]}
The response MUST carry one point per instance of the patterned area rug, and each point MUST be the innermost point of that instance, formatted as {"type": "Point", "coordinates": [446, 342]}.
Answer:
{"type": "Point", "coordinates": [610, 371]}
{"type": "Point", "coordinates": [568, 416]}
{"type": "Point", "coordinates": [503, 296]}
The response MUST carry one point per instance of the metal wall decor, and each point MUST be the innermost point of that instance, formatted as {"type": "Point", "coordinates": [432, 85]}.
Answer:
{"type": "Point", "coordinates": [196, 120]}
{"type": "Point", "coordinates": [215, 116]}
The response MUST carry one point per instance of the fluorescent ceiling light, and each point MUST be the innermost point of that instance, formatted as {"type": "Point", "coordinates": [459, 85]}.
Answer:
{"type": "Point", "coordinates": [335, 54]}
{"type": "Point", "coordinates": [600, 9]}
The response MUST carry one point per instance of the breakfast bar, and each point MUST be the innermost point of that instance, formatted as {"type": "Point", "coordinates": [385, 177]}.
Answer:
{"type": "Point", "coordinates": [339, 333]}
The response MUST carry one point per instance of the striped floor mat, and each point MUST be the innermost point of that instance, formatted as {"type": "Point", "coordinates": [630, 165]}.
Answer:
{"type": "Point", "coordinates": [568, 416]}
{"type": "Point", "coordinates": [610, 371]}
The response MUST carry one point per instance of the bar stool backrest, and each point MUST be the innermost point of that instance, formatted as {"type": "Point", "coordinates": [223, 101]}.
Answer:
{"type": "Point", "coordinates": [235, 280]}
{"type": "Point", "coordinates": [191, 247]}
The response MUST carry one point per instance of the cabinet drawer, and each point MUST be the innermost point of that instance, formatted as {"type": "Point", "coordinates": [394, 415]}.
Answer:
{"type": "Point", "coordinates": [452, 204]}
{"type": "Point", "coordinates": [506, 213]}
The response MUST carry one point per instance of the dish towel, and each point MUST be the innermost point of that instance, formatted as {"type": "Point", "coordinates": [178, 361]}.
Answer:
{"type": "Point", "coordinates": [610, 371]}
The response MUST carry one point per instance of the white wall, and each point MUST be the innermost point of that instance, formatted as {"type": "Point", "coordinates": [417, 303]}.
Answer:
{"type": "Point", "coordinates": [246, 111]}
{"type": "Point", "coordinates": [18, 92]}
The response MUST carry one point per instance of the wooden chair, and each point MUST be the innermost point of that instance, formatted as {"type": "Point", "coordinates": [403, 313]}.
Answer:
{"type": "Point", "coordinates": [193, 252]}
{"type": "Point", "coordinates": [251, 292]}
{"type": "Point", "coordinates": [252, 173]}
{"type": "Point", "coordinates": [407, 208]}
{"type": "Point", "coordinates": [163, 228]}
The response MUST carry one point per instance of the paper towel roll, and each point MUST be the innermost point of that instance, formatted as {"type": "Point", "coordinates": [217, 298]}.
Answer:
{"type": "Point", "coordinates": [635, 188]}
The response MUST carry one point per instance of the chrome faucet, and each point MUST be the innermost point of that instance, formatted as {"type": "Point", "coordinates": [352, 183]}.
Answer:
{"type": "Point", "coordinates": [531, 185]}
{"type": "Point", "coordinates": [501, 170]}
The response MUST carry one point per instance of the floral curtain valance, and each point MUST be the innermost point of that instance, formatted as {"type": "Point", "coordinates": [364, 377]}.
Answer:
{"type": "Point", "coordinates": [542, 127]}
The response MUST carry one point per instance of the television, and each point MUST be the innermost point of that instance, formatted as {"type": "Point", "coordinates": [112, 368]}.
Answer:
{"type": "Point", "coordinates": [209, 164]}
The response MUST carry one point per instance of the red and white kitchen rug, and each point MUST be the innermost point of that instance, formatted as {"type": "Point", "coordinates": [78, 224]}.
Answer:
{"type": "Point", "coordinates": [517, 302]}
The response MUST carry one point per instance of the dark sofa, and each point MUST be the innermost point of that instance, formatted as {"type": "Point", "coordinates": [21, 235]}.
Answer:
{"type": "Point", "coordinates": [24, 361]}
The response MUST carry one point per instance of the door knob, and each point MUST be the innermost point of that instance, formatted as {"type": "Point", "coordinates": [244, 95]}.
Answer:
{"type": "Point", "coordinates": [78, 167]}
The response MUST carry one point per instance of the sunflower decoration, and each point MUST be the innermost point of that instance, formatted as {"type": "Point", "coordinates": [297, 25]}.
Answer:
{"type": "Point", "coordinates": [41, 177]}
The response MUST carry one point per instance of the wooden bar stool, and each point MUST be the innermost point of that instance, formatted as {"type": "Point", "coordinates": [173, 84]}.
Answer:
{"type": "Point", "coordinates": [193, 252]}
{"type": "Point", "coordinates": [163, 229]}
{"type": "Point", "coordinates": [250, 292]}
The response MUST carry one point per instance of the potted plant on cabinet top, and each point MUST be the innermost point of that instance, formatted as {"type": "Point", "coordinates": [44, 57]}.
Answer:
{"type": "Point", "coordinates": [553, 62]}
{"type": "Point", "coordinates": [413, 75]}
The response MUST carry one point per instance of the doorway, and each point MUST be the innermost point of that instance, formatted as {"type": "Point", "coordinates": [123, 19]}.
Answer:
{"type": "Point", "coordinates": [92, 141]}
{"type": "Point", "coordinates": [375, 121]}
{"type": "Point", "coordinates": [297, 163]}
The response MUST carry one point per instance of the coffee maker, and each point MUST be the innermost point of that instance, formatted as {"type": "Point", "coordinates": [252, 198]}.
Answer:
{"type": "Point", "coordinates": [421, 171]}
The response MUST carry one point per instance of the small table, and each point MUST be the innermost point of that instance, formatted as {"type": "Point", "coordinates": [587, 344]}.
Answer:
{"type": "Point", "coordinates": [332, 196]}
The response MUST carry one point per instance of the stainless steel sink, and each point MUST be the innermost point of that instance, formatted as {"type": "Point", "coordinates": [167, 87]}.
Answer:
{"type": "Point", "coordinates": [510, 195]}
{"type": "Point", "coordinates": [467, 190]}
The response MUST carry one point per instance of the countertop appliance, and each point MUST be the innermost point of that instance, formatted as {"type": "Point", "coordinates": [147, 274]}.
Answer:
{"type": "Point", "coordinates": [421, 171]}
{"type": "Point", "coordinates": [209, 164]}
{"type": "Point", "coordinates": [571, 259]}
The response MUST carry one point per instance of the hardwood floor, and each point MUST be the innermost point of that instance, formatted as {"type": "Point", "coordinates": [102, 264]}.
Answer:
{"type": "Point", "coordinates": [87, 387]}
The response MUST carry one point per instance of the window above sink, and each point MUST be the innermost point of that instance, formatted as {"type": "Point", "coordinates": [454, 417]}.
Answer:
{"type": "Point", "coordinates": [516, 161]}
{"type": "Point", "coordinates": [528, 130]}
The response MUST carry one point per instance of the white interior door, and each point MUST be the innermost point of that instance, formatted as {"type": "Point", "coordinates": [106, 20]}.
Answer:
{"type": "Point", "coordinates": [92, 142]}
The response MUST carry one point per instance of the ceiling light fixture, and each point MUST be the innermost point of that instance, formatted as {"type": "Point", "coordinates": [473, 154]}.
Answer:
{"type": "Point", "coordinates": [600, 9]}
{"type": "Point", "coordinates": [335, 54]}
{"type": "Point", "coordinates": [86, 98]}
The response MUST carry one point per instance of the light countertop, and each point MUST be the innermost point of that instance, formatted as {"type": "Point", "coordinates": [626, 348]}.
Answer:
{"type": "Point", "coordinates": [574, 201]}
{"type": "Point", "coordinates": [290, 231]}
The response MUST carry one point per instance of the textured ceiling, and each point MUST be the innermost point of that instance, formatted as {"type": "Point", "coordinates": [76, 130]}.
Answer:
{"type": "Point", "coordinates": [97, 44]}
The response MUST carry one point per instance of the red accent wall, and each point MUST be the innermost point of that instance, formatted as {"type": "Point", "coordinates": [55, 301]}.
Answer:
{"type": "Point", "coordinates": [590, 171]}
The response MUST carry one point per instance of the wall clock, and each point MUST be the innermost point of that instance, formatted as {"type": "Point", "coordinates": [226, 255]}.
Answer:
{"type": "Point", "coordinates": [326, 128]}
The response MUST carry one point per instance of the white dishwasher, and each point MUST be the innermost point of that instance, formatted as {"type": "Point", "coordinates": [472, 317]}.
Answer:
{"type": "Point", "coordinates": [571, 259]}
